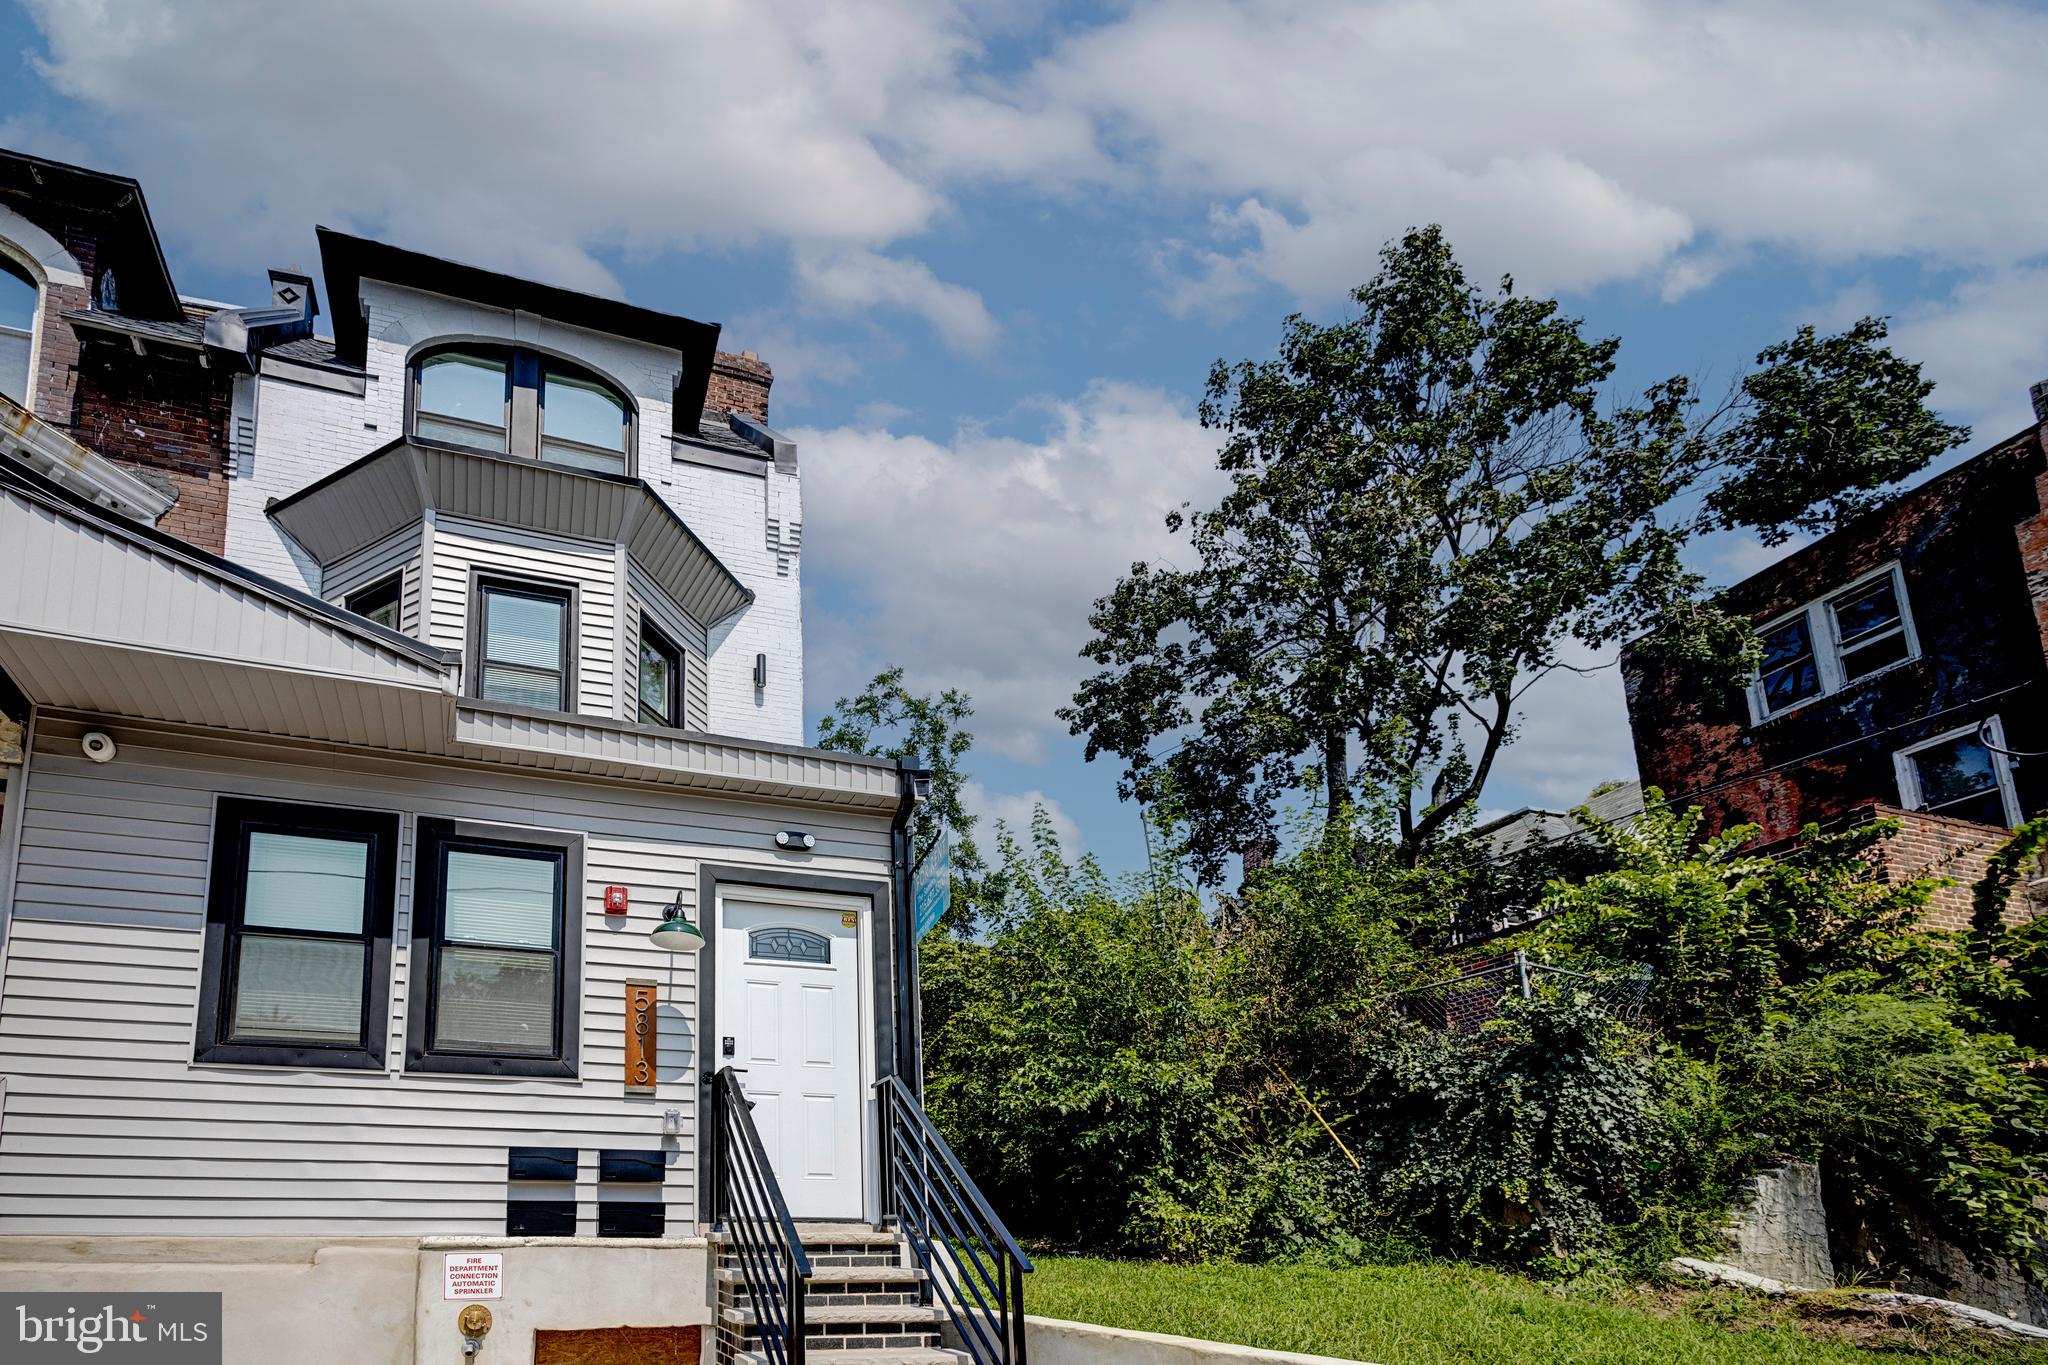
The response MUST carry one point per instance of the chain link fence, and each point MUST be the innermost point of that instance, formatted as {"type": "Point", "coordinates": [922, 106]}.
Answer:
{"type": "Point", "coordinates": [1467, 1000]}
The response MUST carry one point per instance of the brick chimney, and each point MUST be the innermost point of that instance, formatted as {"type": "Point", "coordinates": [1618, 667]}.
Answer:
{"type": "Point", "coordinates": [739, 383]}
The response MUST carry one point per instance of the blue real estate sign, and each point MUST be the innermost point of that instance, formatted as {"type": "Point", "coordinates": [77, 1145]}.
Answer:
{"type": "Point", "coordinates": [931, 886]}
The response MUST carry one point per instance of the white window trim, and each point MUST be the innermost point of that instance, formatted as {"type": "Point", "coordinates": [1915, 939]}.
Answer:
{"type": "Point", "coordinates": [1910, 795]}
{"type": "Point", "coordinates": [1827, 655]}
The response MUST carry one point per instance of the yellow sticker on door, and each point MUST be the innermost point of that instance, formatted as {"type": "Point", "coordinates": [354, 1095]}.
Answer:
{"type": "Point", "coordinates": [849, 918]}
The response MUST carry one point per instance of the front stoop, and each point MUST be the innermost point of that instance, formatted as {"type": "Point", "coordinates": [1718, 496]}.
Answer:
{"type": "Point", "coordinates": [865, 1306]}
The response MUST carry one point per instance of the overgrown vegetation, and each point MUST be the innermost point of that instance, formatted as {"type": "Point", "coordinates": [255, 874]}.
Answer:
{"type": "Point", "coordinates": [1241, 1084]}
{"type": "Point", "coordinates": [1431, 505]}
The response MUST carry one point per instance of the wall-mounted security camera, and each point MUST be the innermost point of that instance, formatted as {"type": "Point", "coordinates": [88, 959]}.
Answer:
{"type": "Point", "coordinates": [796, 840]}
{"type": "Point", "coordinates": [98, 746]}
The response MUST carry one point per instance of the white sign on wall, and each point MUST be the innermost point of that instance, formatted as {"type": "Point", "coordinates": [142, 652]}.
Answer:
{"type": "Point", "coordinates": [473, 1275]}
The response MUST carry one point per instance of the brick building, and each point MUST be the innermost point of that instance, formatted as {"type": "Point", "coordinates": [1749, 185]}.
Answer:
{"type": "Point", "coordinates": [1905, 670]}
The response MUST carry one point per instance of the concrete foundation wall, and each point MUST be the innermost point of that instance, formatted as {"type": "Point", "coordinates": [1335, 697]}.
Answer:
{"type": "Point", "coordinates": [1781, 1231]}
{"type": "Point", "coordinates": [378, 1301]}
{"type": "Point", "coordinates": [281, 1297]}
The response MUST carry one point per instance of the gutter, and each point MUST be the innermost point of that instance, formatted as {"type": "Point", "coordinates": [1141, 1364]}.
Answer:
{"type": "Point", "coordinates": [77, 469]}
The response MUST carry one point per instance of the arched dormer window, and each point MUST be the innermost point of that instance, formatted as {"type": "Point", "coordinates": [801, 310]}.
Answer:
{"type": "Point", "coordinates": [18, 300]}
{"type": "Point", "coordinates": [513, 401]}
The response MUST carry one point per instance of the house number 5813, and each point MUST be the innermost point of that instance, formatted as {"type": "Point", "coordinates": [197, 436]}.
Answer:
{"type": "Point", "coordinates": [640, 1037]}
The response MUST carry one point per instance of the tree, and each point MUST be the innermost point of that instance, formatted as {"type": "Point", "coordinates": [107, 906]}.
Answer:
{"type": "Point", "coordinates": [888, 720]}
{"type": "Point", "coordinates": [1430, 510]}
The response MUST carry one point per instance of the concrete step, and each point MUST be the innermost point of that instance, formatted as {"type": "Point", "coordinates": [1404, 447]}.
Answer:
{"type": "Point", "coordinates": [857, 1314]}
{"type": "Point", "coordinates": [841, 1274]}
{"type": "Point", "coordinates": [845, 1234]}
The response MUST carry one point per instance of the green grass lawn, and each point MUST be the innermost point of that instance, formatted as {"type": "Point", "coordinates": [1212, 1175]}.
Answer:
{"type": "Point", "coordinates": [1439, 1314]}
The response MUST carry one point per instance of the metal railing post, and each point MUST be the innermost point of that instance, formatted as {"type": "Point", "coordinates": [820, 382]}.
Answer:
{"type": "Point", "coordinates": [796, 1306]}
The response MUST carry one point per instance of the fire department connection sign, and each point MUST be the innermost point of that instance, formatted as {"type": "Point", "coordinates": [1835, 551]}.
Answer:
{"type": "Point", "coordinates": [473, 1275]}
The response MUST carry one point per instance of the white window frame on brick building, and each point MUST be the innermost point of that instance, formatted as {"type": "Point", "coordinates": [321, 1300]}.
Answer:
{"type": "Point", "coordinates": [1913, 798]}
{"type": "Point", "coordinates": [1831, 655]}
{"type": "Point", "coordinates": [21, 340]}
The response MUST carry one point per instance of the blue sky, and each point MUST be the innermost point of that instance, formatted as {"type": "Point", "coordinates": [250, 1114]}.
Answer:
{"type": "Point", "coordinates": [991, 249]}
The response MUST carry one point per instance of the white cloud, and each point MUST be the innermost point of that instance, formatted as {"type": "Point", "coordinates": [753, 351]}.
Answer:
{"type": "Point", "coordinates": [1984, 345]}
{"type": "Point", "coordinates": [1578, 141]}
{"type": "Point", "coordinates": [1573, 142]}
{"type": "Point", "coordinates": [524, 134]}
{"type": "Point", "coordinates": [976, 560]}
{"type": "Point", "coordinates": [851, 282]}
{"type": "Point", "coordinates": [1015, 810]}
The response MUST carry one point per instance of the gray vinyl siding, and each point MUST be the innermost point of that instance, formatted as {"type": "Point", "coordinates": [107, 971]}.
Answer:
{"type": "Point", "coordinates": [398, 552]}
{"type": "Point", "coordinates": [588, 565]}
{"type": "Point", "coordinates": [644, 596]}
{"type": "Point", "coordinates": [111, 1129]}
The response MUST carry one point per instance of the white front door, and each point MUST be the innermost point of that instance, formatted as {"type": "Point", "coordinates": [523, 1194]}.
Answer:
{"type": "Point", "coordinates": [789, 1017]}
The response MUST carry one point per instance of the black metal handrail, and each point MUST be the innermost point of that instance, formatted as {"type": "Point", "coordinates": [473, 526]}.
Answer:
{"type": "Point", "coordinates": [966, 1252]}
{"type": "Point", "coordinates": [748, 1208]}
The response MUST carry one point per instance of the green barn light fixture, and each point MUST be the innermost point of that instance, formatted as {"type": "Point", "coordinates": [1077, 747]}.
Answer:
{"type": "Point", "coordinates": [675, 932]}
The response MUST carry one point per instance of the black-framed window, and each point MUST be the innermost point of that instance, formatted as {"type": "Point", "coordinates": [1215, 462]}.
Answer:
{"type": "Point", "coordinates": [509, 400]}
{"type": "Point", "coordinates": [298, 935]}
{"type": "Point", "coordinates": [379, 601]}
{"type": "Point", "coordinates": [660, 677]}
{"type": "Point", "coordinates": [495, 955]}
{"type": "Point", "coordinates": [524, 635]}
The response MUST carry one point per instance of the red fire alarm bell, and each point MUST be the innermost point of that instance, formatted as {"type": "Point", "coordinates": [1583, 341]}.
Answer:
{"type": "Point", "coordinates": [615, 900]}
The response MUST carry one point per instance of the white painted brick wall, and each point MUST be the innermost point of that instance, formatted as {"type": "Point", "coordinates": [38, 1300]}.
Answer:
{"type": "Point", "coordinates": [305, 433]}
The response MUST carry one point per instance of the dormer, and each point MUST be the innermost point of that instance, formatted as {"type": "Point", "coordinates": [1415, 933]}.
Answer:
{"type": "Point", "coordinates": [531, 477]}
